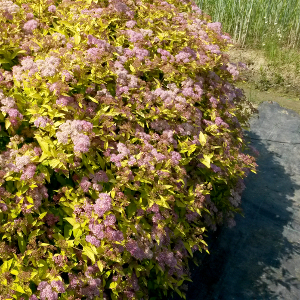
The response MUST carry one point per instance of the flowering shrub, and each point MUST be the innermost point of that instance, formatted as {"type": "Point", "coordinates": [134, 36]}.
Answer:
{"type": "Point", "coordinates": [121, 144]}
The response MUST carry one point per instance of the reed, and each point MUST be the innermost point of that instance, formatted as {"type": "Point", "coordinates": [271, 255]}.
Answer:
{"type": "Point", "coordinates": [257, 22]}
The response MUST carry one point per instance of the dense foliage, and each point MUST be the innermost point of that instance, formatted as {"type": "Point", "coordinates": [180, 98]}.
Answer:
{"type": "Point", "coordinates": [121, 144]}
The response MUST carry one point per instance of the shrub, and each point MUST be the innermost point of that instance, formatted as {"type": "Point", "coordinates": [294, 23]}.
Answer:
{"type": "Point", "coordinates": [121, 144]}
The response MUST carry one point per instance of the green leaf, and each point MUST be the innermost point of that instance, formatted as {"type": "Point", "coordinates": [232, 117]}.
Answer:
{"type": "Point", "coordinates": [54, 163]}
{"type": "Point", "coordinates": [7, 124]}
{"type": "Point", "coordinates": [132, 69]}
{"type": "Point", "coordinates": [45, 171]}
{"type": "Point", "coordinates": [113, 285]}
{"type": "Point", "coordinates": [72, 221]}
{"type": "Point", "coordinates": [77, 232]}
{"type": "Point", "coordinates": [206, 159]}
{"type": "Point", "coordinates": [77, 38]}
{"type": "Point", "coordinates": [188, 248]}
{"type": "Point", "coordinates": [101, 162]}
{"type": "Point", "coordinates": [35, 233]}
{"type": "Point", "coordinates": [113, 194]}
{"type": "Point", "coordinates": [18, 288]}
{"type": "Point", "coordinates": [68, 231]}
{"type": "Point", "coordinates": [93, 99]}
{"type": "Point", "coordinates": [22, 190]}
{"type": "Point", "coordinates": [14, 272]}
{"type": "Point", "coordinates": [89, 253]}
{"type": "Point", "coordinates": [100, 265]}
{"type": "Point", "coordinates": [131, 209]}
{"type": "Point", "coordinates": [43, 144]}
{"type": "Point", "coordinates": [22, 244]}
{"type": "Point", "coordinates": [202, 139]}
{"type": "Point", "coordinates": [42, 215]}
{"type": "Point", "coordinates": [43, 157]}
{"type": "Point", "coordinates": [4, 61]}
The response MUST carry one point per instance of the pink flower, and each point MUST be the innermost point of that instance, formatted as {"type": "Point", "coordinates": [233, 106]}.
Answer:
{"type": "Point", "coordinates": [29, 172]}
{"type": "Point", "coordinates": [103, 204]}
{"type": "Point", "coordinates": [91, 239]}
{"type": "Point", "coordinates": [38, 151]}
{"type": "Point", "coordinates": [134, 36]}
{"type": "Point", "coordinates": [29, 16]}
{"type": "Point", "coordinates": [110, 220]}
{"type": "Point", "coordinates": [131, 24]}
{"type": "Point", "coordinates": [81, 143]}
{"type": "Point", "coordinates": [134, 249]}
{"type": "Point", "coordinates": [64, 100]}
{"type": "Point", "coordinates": [85, 184]}
{"type": "Point", "coordinates": [58, 285]}
{"type": "Point", "coordinates": [60, 260]}
{"type": "Point", "coordinates": [100, 176]}
{"type": "Point", "coordinates": [52, 8]}
{"type": "Point", "coordinates": [215, 27]}
{"type": "Point", "coordinates": [30, 26]}
{"type": "Point", "coordinates": [42, 122]}
{"type": "Point", "coordinates": [176, 157]}
{"type": "Point", "coordinates": [97, 230]}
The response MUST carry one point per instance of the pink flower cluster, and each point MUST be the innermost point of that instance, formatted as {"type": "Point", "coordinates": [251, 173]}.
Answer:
{"type": "Point", "coordinates": [64, 100]}
{"type": "Point", "coordinates": [166, 258]}
{"type": "Point", "coordinates": [123, 152]}
{"type": "Point", "coordinates": [220, 122]}
{"type": "Point", "coordinates": [9, 6]}
{"type": "Point", "coordinates": [92, 290]}
{"type": "Point", "coordinates": [48, 67]}
{"type": "Point", "coordinates": [73, 128]}
{"type": "Point", "coordinates": [134, 249]}
{"type": "Point", "coordinates": [121, 7]}
{"type": "Point", "coordinates": [30, 25]}
{"type": "Point", "coordinates": [42, 122]}
{"type": "Point", "coordinates": [136, 52]}
{"type": "Point", "coordinates": [51, 219]}
{"type": "Point", "coordinates": [52, 8]}
{"type": "Point", "coordinates": [133, 36]}
{"type": "Point", "coordinates": [7, 106]}
{"type": "Point", "coordinates": [47, 292]}
{"type": "Point", "coordinates": [28, 172]}
{"type": "Point", "coordinates": [185, 55]}
{"type": "Point", "coordinates": [103, 204]}
{"type": "Point", "coordinates": [95, 13]}
{"type": "Point", "coordinates": [232, 69]}
{"type": "Point", "coordinates": [60, 260]}
{"type": "Point", "coordinates": [94, 241]}
{"type": "Point", "coordinates": [97, 230]}
{"type": "Point", "coordinates": [130, 24]}
{"type": "Point", "coordinates": [165, 54]}
{"type": "Point", "coordinates": [68, 76]}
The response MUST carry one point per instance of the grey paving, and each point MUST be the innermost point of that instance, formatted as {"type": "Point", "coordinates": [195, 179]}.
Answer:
{"type": "Point", "coordinates": [260, 257]}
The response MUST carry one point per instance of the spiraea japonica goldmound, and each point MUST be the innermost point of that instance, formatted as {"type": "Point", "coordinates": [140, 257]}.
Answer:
{"type": "Point", "coordinates": [121, 144]}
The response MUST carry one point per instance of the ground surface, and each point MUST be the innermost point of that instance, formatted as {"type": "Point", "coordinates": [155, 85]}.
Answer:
{"type": "Point", "coordinates": [260, 257]}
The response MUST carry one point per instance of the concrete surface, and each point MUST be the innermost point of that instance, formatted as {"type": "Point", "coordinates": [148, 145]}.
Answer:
{"type": "Point", "coordinates": [260, 257]}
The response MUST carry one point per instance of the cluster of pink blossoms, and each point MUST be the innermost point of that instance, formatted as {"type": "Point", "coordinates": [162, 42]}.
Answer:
{"type": "Point", "coordinates": [47, 67]}
{"type": "Point", "coordinates": [28, 172]}
{"type": "Point", "coordinates": [99, 176]}
{"type": "Point", "coordinates": [47, 292]}
{"type": "Point", "coordinates": [103, 230]}
{"type": "Point", "coordinates": [103, 204]}
{"type": "Point", "coordinates": [73, 128]}
{"type": "Point", "coordinates": [42, 122]}
{"type": "Point", "coordinates": [8, 104]}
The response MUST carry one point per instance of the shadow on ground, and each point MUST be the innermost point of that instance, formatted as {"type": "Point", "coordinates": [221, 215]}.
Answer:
{"type": "Point", "coordinates": [260, 257]}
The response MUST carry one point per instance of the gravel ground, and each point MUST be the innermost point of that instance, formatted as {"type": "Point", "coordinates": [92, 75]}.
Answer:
{"type": "Point", "coordinates": [260, 257]}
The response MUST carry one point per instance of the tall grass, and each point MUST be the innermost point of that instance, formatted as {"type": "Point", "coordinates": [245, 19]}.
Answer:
{"type": "Point", "coordinates": [257, 22]}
